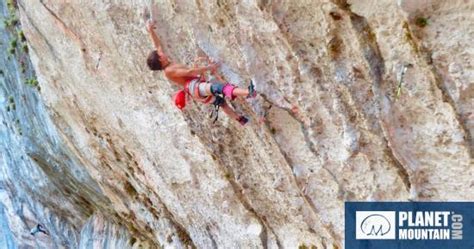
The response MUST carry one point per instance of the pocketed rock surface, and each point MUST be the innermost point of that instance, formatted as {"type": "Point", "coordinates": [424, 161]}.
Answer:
{"type": "Point", "coordinates": [103, 159]}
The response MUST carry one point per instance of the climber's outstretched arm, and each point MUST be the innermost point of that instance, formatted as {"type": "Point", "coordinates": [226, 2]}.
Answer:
{"type": "Point", "coordinates": [213, 70]}
{"type": "Point", "coordinates": [150, 26]}
{"type": "Point", "coordinates": [199, 59]}
{"type": "Point", "coordinates": [183, 71]}
{"type": "Point", "coordinates": [218, 76]}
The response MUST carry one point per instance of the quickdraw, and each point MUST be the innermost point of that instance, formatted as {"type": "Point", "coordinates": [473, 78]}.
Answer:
{"type": "Point", "coordinates": [216, 105]}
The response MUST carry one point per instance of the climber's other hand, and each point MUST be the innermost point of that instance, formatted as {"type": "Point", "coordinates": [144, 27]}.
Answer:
{"type": "Point", "coordinates": [213, 66]}
{"type": "Point", "coordinates": [150, 25]}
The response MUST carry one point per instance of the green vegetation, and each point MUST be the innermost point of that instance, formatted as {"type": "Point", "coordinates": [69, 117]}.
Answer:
{"type": "Point", "coordinates": [21, 36]}
{"type": "Point", "coordinates": [12, 21]}
{"type": "Point", "coordinates": [11, 100]}
{"type": "Point", "coordinates": [12, 48]}
{"type": "Point", "coordinates": [421, 21]}
{"type": "Point", "coordinates": [13, 42]}
{"type": "Point", "coordinates": [32, 82]}
{"type": "Point", "coordinates": [11, 4]}
{"type": "Point", "coordinates": [24, 48]}
{"type": "Point", "coordinates": [17, 46]}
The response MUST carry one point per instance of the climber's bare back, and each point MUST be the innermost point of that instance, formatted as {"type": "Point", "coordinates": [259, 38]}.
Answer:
{"type": "Point", "coordinates": [179, 73]}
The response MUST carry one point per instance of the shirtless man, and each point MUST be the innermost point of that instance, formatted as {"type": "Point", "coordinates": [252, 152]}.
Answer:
{"type": "Point", "coordinates": [193, 81]}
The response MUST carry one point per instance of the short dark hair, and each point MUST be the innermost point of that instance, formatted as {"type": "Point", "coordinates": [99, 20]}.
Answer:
{"type": "Point", "coordinates": [153, 61]}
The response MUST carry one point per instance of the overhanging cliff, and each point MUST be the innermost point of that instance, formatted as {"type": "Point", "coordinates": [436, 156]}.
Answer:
{"type": "Point", "coordinates": [104, 159]}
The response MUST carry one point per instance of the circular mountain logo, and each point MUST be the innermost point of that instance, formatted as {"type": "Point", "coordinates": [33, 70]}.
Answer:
{"type": "Point", "coordinates": [375, 225]}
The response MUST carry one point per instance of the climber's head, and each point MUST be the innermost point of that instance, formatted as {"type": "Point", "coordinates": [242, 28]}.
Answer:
{"type": "Point", "coordinates": [156, 61]}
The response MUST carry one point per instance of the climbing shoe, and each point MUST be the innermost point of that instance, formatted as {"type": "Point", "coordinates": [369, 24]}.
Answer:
{"type": "Point", "coordinates": [252, 92]}
{"type": "Point", "coordinates": [242, 120]}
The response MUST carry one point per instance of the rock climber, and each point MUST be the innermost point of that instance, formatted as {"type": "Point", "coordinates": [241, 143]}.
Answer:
{"type": "Point", "coordinates": [209, 91]}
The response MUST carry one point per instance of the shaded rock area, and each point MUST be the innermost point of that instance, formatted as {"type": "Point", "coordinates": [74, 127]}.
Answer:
{"type": "Point", "coordinates": [359, 100]}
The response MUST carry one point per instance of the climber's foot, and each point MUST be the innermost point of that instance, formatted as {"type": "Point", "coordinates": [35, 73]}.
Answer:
{"type": "Point", "coordinates": [242, 120]}
{"type": "Point", "coordinates": [252, 92]}
{"type": "Point", "coordinates": [295, 109]}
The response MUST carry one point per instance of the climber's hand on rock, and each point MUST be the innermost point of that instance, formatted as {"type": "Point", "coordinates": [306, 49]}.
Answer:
{"type": "Point", "coordinates": [199, 59]}
{"type": "Point", "coordinates": [213, 66]}
{"type": "Point", "coordinates": [150, 25]}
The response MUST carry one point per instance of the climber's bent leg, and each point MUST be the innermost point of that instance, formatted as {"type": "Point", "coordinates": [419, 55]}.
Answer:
{"type": "Point", "coordinates": [229, 91]}
{"type": "Point", "coordinates": [241, 92]}
{"type": "Point", "coordinates": [229, 111]}
{"type": "Point", "coordinates": [232, 114]}
{"type": "Point", "coordinates": [216, 87]}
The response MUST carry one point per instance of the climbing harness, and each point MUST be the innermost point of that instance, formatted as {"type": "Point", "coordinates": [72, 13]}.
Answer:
{"type": "Point", "coordinates": [219, 92]}
{"type": "Point", "coordinates": [192, 86]}
{"type": "Point", "coordinates": [190, 89]}
{"type": "Point", "coordinates": [216, 105]}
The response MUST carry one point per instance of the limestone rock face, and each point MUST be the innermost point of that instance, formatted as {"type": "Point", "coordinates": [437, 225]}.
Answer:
{"type": "Point", "coordinates": [359, 100]}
